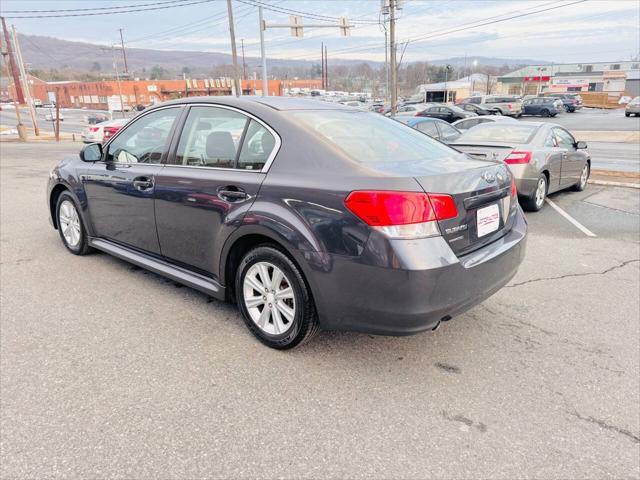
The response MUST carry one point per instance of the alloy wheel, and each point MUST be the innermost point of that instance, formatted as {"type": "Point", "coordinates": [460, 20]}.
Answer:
{"type": "Point", "coordinates": [541, 191]}
{"type": "Point", "coordinates": [269, 298]}
{"type": "Point", "coordinates": [584, 176]}
{"type": "Point", "coordinates": [70, 223]}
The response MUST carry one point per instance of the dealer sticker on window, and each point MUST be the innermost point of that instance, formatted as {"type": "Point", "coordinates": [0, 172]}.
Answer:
{"type": "Point", "coordinates": [488, 219]}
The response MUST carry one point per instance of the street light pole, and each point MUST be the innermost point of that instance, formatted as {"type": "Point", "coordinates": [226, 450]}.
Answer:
{"type": "Point", "coordinates": [265, 83]}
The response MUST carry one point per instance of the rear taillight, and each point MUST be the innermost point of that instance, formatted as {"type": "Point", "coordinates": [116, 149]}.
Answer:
{"type": "Point", "coordinates": [514, 189]}
{"type": "Point", "coordinates": [94, 129]}
{"type": "Point", "coordinates": [517, 157]}
{"type": "Point", "coordinates": [402, 214]}
{"type": "Point", "coordinates": [110, 131]}
{"type": "Point", "coordinates": [509, 106]}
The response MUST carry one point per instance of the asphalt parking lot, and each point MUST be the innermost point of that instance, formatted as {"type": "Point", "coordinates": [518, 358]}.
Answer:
{"type": "Point", "coordinates": [109, 371]}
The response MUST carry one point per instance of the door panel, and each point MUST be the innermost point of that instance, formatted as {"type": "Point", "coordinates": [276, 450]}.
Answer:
{"type": "Point", "coordinates": [120, 190]}
{"type": "Point", "coordinates": [572, 159]}
{"type": "Point", "coordinates": [194, 216]}
{"type": "Point", "coordinates": [119, 210]}
{"type": "Point", "coordinates": [209, 184]}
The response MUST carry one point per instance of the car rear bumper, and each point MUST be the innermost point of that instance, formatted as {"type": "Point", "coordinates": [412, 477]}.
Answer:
{"type": "Point", "coordinates": [429, 285]}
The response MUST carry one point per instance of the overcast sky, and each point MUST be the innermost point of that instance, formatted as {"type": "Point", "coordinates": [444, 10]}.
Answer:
{"type": "Point", "coordinates": [595, 30]}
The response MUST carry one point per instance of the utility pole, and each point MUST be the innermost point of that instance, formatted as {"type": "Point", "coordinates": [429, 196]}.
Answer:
{"type": "Point", "coordinates": [234, 52]}
{"type": "Point", "coordinates": [326, 69]}
{"type": "Point", "coordinates": [392, 54]}
{"type": "Point", "coordinates": [322, 63]}
{"type": "Point", "coordinates": [386, 64]}
{"type": "Point", "coordinates": [25, 82]}
{"type": "Point", "coordinates": [244, 64]}
{"type": "Point", "coordinates": [22, 135]}
{"type": "Point", "coordinates": [115, 67]}
{"type": "Point", "coordinates": [124, 54]}
{"type": "Point", "coordinates": [12, 65]}
{"type": "Point", "coordinates": [265, 82]}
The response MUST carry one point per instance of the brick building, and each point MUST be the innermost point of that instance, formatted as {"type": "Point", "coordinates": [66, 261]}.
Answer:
{"type": "Point", "coordinates": [95, 95]}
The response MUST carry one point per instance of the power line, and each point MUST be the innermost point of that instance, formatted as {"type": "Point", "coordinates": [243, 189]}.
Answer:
{"type": "Point", "coordinates": [113, 7]}
{"type": "Point", "coordinates": [314, 16]}
{"type": "Point", "coordinates": [88, 14]}
{"type": "Point", "coordinates": [455, 29]}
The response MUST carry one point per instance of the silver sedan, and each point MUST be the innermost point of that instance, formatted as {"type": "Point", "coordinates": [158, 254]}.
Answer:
{"type": "Point", "coordinates": [543, 157]}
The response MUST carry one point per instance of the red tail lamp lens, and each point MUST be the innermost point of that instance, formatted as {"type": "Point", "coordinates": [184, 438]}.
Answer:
{"type": "Point", "coordinates": [385, 208]}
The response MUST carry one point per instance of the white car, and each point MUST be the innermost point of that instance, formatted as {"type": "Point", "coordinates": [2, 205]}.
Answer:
{"type": "Point", "coordinates": [95, 133]}
{"type": "Point", "coordinates": [412, 109]}
{"type": "Point", "coordinates": [466, 123]}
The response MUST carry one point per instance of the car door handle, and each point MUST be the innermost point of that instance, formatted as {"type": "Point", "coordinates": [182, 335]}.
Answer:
{"type": "Point", "coordinates": [232, 194]}
{"type": "Point", "coordinates": [142, 183]}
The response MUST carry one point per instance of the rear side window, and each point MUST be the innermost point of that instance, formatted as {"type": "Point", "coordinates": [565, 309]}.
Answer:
{"type": "Point", "coordinates": [499, 132]}
{"type": "Point", "coordinates": [370, 138]}
{"type": "Point", "coordinates": [256, 148]}
{"type": "Point", "coordinates": [447, 131]}
{"type": "Point", "coordinates": [143, 141]}
{"type": "Point", "coordinates": [428, 127]}
{"type": "Point", "coordinates": [222, 138]}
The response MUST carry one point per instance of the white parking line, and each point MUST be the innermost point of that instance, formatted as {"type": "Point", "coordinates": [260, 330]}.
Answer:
{"type": "Point", "coordinates": [572, 220]}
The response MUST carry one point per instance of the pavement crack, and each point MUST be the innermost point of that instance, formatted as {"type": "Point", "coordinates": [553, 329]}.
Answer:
{"type": "Point", "coordinates": [607, 426]}
{"type": "Point", "coordinates": [569, 275]}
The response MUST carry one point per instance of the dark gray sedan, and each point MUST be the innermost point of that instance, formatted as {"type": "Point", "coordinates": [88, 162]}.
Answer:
{"type": "Point", "coordinates": [305, 214]}
{"type": "Point", "coordinates": [543, 157]}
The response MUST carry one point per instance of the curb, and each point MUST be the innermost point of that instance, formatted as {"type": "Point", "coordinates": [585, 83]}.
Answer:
{"type": "Point", "coordinates": [615, 184]}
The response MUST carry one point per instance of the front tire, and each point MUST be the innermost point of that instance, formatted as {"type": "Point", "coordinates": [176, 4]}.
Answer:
{"type": "Point", "coordinates": [536, 201]}
{"type": "Point", "coordinates": [544, 113]}
{"type": "Point", "coordinates": [274, 299]}
{"type": "Point", "coordinates": [70, 225]}
{"type": "Point", "coordinates": [627, 114]}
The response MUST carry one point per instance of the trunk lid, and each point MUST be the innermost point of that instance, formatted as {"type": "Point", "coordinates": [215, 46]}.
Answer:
{"type": "Point", "coordinates": [483, 199]}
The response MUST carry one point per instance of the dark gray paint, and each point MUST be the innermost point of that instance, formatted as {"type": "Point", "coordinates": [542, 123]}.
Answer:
{"type": "Point", "coordinates": [360, 280]}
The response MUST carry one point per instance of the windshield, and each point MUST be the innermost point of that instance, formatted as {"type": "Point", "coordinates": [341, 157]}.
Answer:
{"type": "Point", "coordinates": [371, 138]}
{"type": "Point", "coordinates": [498, 132]}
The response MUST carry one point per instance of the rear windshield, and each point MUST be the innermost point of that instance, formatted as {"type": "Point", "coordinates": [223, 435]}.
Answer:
{"type": "Point", "coordinates": [372, 138]}
{"type": "Point", "coordinates": [499, 132]}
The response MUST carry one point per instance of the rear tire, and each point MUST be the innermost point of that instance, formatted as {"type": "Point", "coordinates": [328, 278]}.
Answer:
{"type": "Point", "coordinates": [498, 112]}
{"type": "Point", "coordinates": [544, 113]}
{"type": "Point", "coordinates": [627, 114]}
{"type": "Point", "coordinates": [278, 309]}
{"type": "Point", "coordinates": [536, 201]}
{"type": "Point", "coordinates": [584, 178]}
{"type": "Point", "coordinates": [70, 225]}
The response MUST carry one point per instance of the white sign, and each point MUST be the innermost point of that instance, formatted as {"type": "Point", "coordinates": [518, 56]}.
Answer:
{"type": "Point", "coordinates": [488, 219]}
{"type": "Point", "coordinates": [152, 88]}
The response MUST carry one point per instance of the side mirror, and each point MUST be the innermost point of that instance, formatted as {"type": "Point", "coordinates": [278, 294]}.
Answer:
{"type": "Point", "coordinates": [581, 145]}
{"type": "Point", "coordinates": [91, 152]}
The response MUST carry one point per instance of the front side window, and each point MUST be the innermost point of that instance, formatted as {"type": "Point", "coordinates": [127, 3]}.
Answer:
{"type": "Point", "coordinates": [564, 138]}
{"type": "Point", "coordinates": [223, 138]}
{"type": "Point", "coordinates": [143, 141]}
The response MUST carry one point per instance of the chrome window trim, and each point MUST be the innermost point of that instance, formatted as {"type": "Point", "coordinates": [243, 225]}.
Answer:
{"type": "Point", "coordinates": [271, 157]}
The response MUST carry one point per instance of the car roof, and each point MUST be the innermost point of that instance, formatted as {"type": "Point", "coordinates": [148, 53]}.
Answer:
{"type": "Point", "coordinates": [276, 103]}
